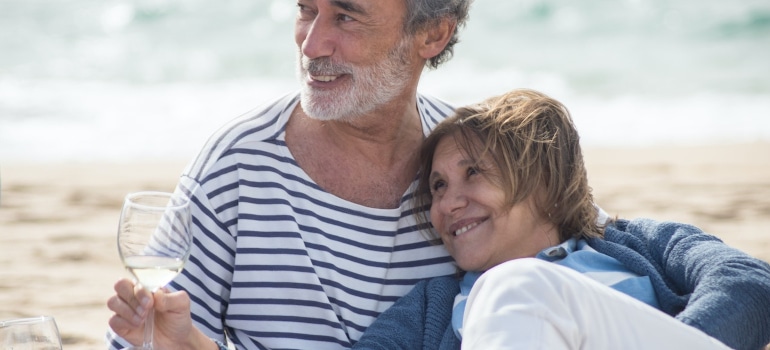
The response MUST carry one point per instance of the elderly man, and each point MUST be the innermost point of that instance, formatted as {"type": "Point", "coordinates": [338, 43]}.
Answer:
{"type": "Point", "coordinates": [303, 228]}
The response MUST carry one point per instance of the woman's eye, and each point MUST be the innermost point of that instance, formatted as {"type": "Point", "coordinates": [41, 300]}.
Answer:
{"type": "Point", "coordinates": [472, 171]}
{"type": "Point", "coordinates": [436, 186]}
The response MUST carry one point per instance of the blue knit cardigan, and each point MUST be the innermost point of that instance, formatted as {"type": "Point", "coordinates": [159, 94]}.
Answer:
{"type": "Point", "coordinates": [697, 278]}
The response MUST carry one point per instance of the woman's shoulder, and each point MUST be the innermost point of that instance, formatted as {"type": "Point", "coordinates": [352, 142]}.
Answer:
{"type": "Point", "coordinates": [440, 289]}
{"type": "Point", "coordinates": [443, 282]}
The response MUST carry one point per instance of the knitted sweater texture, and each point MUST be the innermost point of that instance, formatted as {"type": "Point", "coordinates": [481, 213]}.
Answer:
{"type": "Point", "coordinates": [698, 280]}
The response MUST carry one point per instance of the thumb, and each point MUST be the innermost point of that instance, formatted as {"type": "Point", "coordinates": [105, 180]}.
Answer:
{"type": "Point", "coordinates": [173, 302]}
{"type": "Point", "coordinates": [173, 321]}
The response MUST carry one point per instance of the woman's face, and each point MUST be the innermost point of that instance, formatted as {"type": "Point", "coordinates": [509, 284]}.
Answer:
{"type": "Point", "coordinates": [470, 215]}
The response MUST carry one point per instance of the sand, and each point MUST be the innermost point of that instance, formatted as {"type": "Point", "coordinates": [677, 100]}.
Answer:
{"type": "Point", "coordinates": [58, 221]}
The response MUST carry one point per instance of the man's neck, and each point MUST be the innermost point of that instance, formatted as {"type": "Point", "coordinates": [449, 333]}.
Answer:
{"type": "Point", "coordinates": [379, 135]}
{"type": "Point", "coordinates": [370, 161]}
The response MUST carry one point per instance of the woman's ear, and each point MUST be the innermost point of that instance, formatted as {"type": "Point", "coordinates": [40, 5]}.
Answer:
{"type": "Point", "coordinates": [434, 38]}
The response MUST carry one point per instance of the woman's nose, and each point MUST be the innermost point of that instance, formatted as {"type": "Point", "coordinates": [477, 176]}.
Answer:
{"type": "Point", "coordinates": [453, 200]}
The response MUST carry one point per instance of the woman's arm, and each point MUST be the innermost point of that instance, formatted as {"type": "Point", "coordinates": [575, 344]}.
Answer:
{"type": "Point", "coordinates": [417, 320]}
{"type": "Point", "coordinates": [729, 291]}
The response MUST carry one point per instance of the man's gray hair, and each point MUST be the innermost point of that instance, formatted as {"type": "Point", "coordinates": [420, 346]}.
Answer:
{"type": "Point", "coordinates": [423, 13]}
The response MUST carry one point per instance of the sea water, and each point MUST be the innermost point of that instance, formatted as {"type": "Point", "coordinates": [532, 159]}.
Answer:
{"type": "Point", "coordinates": [121, 80]}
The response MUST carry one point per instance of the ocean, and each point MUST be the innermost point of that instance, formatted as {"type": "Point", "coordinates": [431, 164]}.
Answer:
{"type": "Point", "coordinates": [124, 80]}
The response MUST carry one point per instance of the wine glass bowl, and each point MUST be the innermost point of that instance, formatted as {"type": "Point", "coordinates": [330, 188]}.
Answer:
{"type": "Point", "coordinates": [154, 241]}
{"type": "Point", "coordinates": [34, 333]}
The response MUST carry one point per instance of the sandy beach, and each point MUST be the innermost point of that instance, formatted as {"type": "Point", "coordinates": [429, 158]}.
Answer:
{"type": "Point", "coordinates": [58, 221]}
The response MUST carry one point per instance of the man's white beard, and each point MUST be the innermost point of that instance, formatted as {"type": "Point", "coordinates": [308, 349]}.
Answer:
{"type": "Point", "coordinates": [371, 86]}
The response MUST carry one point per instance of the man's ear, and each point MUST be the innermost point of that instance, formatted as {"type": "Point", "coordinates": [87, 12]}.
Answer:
{"type": "Point", "coordinates": [434, 38]}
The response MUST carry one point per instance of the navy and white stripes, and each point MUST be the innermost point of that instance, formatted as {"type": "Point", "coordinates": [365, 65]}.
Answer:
{"type": "Point", "coordinates": [279, 263]}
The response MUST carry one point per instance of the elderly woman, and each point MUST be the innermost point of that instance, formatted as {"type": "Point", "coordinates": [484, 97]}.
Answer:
{"type": "Point", "coordinates": [509, 198]}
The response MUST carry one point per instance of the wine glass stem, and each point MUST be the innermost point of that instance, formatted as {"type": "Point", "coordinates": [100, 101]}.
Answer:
{"type": "Point", "coordinates": [148, 330]}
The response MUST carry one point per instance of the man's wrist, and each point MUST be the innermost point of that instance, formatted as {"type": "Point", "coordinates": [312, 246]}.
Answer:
{"type": "Point", "coordinates": [200, 341]}
{"type": "Point", "coordinates": [220, 345]}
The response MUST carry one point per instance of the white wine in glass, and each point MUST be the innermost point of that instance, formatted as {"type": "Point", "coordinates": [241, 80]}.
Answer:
{"type": "Point", "coordinates": [154, 241]}
{"type": "Point", "coordinates": [34, 333]}
{"type": "Point", "coordinates": [153, 272]}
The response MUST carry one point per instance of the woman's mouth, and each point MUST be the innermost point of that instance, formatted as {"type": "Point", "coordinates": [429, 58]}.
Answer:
{"type": "Point", "coordinates": [466, 228]}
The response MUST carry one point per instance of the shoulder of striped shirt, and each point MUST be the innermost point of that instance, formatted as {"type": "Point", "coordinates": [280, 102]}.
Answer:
{"type": "Point", "coordinates": [255, 125]}
{"type": "Point", "coordinates": [252, 125]}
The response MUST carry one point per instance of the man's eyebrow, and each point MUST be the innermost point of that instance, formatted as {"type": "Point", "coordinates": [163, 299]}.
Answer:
{"type": "Point", "coordinates": [349, 6]}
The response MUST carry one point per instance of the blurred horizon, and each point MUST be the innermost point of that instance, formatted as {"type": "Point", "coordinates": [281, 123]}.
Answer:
{"type": "Point", "coordinates": [141, 79]}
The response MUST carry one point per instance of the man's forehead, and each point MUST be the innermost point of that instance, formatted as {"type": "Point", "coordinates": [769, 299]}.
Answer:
{"type": "Point", "coordinates": [358, 6]}
{"type": "Point", "coordinates": [365, 5]}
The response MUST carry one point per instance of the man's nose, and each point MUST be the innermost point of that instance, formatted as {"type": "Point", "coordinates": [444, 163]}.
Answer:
{"type": "Point", "coordinates": [319, 40]}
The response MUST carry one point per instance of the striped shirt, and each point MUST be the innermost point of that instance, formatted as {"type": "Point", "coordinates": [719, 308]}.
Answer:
{"type": "Point", "coordinates": [278, 262]}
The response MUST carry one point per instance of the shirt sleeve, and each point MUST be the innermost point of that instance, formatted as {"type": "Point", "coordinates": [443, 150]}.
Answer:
{"type": "Point", "coordinates": [729, 290]}
{"type": "Point", "coordinates": [207, 275]}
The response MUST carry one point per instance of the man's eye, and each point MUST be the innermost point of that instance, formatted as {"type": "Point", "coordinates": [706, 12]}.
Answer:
{"type": "Point", "coordinates": [305, 11]}
{"type": "Point", "coordinates": [344, 18]}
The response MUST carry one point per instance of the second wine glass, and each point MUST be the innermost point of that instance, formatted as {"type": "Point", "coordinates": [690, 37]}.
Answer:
{"type": "Point", "coordinates": [154, 241]}
{"type": "Point", "coordinates": [34, 333]}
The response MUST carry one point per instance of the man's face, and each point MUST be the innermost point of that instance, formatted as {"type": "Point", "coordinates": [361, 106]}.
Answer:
{"type": "Point", "coordinates": [353, 56]}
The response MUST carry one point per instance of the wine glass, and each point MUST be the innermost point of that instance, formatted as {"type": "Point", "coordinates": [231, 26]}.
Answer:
{"type": "Point", "coordinates": [154, 241]}
{"type": "Point", "coordinates": [34, 333]}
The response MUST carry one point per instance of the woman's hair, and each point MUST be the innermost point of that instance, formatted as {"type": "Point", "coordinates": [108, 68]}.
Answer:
{"type": "Point", "coordinates": [421, 14]}
{"type": "Point", "coordinates": [534, 145]}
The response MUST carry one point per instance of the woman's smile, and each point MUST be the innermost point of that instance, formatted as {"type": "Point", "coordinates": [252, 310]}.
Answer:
{"type": "Point", "coordinates": [469, 210]}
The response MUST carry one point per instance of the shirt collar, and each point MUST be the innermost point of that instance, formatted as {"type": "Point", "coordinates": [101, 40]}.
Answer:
{"type": "Point", "coordinates": [560, 251]}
